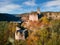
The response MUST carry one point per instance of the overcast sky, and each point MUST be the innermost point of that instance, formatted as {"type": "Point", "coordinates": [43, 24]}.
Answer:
{"type": "Point", "coordinates": [23, 6]}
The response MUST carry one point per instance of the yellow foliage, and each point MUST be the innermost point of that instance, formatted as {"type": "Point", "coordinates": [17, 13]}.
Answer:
{"type": "Point", "coordinates": [12, 26]}
{"type": "Point", "coordinates": [44, 20]}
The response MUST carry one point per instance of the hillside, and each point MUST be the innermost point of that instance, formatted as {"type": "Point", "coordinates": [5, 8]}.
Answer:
{"type": "Point", "coordinates": [8, 17]}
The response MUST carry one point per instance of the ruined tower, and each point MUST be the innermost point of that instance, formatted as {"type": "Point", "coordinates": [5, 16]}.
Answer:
{"type": "Point", "coordinates": [38, 10]}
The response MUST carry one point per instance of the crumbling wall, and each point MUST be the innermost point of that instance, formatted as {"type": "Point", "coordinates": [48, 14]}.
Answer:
{"type": "Point", "coordinates": [53, 15]}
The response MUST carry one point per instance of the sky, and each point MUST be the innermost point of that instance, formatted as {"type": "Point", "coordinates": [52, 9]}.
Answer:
{"type": "Point", "coordinates": [25, 6]}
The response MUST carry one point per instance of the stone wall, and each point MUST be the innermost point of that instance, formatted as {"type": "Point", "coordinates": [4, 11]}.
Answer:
{"type": "Point", "coordinates": [53, 15]}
